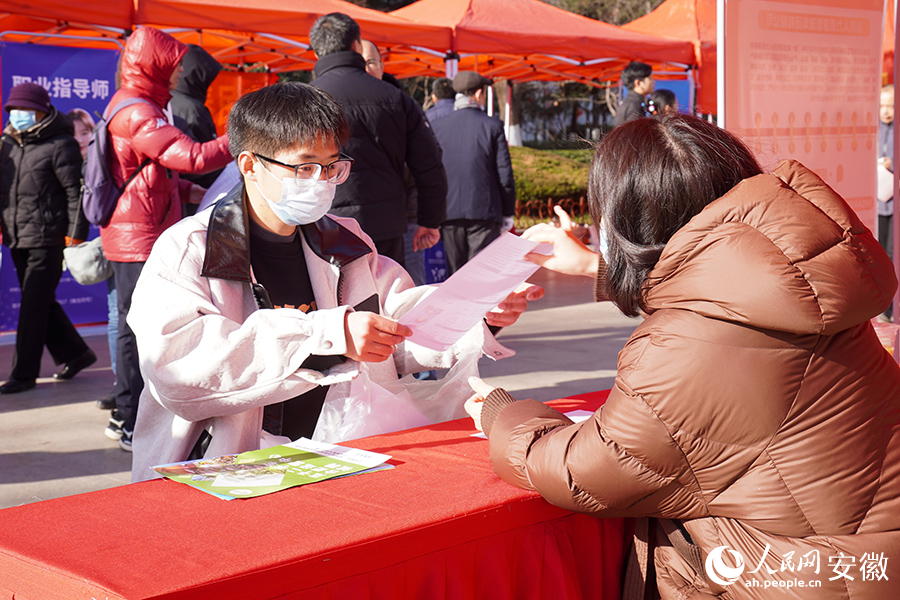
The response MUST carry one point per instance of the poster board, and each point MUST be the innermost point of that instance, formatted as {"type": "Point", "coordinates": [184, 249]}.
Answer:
{"type": "Point", "coordinates": [802, 80]}
{"type": "Point", "coordinates": [75, 78]}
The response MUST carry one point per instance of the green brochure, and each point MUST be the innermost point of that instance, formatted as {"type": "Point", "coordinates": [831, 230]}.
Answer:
{"type": "Point", "coordinates": [261, 472]}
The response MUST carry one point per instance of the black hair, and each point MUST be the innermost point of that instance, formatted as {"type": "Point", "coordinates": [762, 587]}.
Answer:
{"type": "Point", "coordinates": [648, 178]}
{"type": "Point", "coordinates": [635, 71]}
{"type": "Point", "coordinates": [662, 99]}
{"type": "Point", "coordinates": [283, 116]}
{"type": "Point", "coordinates": [334, 32]}
{"type": "Point", "coordinates": [442, 88]}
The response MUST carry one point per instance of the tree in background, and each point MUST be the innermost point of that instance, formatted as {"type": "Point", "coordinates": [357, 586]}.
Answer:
{"type": "Point", "coordinates": [617, 12]}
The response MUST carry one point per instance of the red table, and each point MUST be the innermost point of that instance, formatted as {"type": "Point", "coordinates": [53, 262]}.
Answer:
{"type": "Point", "coordinates": [440, 525]}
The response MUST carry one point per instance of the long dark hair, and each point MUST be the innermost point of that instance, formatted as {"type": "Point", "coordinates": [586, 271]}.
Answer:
{"type": "Point", "coordinates": [649, 177]}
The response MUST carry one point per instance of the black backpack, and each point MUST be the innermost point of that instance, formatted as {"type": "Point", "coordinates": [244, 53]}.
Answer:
{"type": "Point", "coordinates": [99, 192]}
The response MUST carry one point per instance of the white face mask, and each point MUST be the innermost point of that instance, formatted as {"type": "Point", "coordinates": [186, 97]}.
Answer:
{"type": "Point", "coordinates": [302, 201]}
{"type": "Point", "coordinates": [603, 243]}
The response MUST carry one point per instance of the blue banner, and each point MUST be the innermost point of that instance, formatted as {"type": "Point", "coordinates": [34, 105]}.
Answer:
{"type": "Point", "coordinates": [80, 82]}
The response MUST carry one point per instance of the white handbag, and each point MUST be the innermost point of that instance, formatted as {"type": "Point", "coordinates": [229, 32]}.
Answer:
{"type": "Point", "coordinates": [86, 262]}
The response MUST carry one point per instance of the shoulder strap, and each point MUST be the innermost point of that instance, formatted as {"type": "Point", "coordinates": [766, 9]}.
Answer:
{"type": "Point", "coordinates": [115, 111]}
{"type": "Point", "coordinates": [123, 104]}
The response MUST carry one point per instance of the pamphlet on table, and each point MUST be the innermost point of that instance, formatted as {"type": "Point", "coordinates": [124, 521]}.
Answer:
{"type": "Point", "coordinates": [269, 470]}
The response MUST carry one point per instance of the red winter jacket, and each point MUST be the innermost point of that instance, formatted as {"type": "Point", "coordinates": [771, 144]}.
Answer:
{"type": "Point", "coordinates": [152, 201]}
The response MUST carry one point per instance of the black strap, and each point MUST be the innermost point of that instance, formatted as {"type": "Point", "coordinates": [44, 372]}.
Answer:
{"type": "Point", "coordinates": [131, 177]}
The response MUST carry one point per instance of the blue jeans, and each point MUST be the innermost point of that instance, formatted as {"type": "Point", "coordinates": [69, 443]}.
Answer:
{"type": "Point", "coordinates": [112, 327]}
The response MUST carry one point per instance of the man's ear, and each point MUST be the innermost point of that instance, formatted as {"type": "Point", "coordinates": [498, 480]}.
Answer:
{"type": "Point", "coordinates": [356, 46]}
{"type": "Point", "coordinates": [248, 165]}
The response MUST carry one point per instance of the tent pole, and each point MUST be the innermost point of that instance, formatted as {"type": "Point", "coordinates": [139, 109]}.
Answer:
{"type": "Point", "coordinates": [720, 63]}
{"type": "Point", "coordinates": [490, 100]}
{"type": "Point", "coordinates": [507, 111]}
{"type": "Point", "coordinates": [692, 90]}
{"type": "Point", "coordinates": [895, 222]}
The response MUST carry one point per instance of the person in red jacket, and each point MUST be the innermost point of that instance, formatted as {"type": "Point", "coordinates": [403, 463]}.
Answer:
{"type": "Point", "coordinates": [142, 138]}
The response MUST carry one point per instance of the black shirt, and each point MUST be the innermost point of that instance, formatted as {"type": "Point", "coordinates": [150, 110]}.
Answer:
{"type": "Point", "coordinates": [280, 267]}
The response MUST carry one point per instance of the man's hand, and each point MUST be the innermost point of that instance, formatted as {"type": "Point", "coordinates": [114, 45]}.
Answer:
{"type": "Point", "coordinates": [425, 237]}
{"type": "Point", "coordinates": [512, 307]}
{"type": "Point", "coordinates": [371, 337]}
{"type": "Point", "coordinates": [570, 256]}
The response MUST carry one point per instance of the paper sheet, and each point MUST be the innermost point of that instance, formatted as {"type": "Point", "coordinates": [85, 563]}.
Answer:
{"type": "Point", "coordinates": [465, 298]}
{"type": "Point", "coordinates": [576, 416]}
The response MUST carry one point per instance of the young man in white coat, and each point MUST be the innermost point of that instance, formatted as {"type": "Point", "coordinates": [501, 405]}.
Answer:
{"type": "Point", "coordinates": [245, 313]}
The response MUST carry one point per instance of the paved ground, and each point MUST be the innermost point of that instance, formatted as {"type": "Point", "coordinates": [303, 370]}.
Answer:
{"type": "Point", "coordinates": [51, 437]}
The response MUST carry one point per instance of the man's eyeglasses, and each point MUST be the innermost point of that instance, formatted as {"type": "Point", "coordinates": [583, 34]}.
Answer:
{"type": "Point", "coordinates": [335, 172]}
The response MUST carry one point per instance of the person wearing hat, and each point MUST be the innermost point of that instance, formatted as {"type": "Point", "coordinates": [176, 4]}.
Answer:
{"type": "Point", "coordinates": [481, 193]}
{"type": "Point", "coordinates": [40, 188]}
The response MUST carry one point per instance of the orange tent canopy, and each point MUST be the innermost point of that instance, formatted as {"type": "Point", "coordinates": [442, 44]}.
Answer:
{"type": "Point", "coordinates": [500, 38]}
{"type": "Point", "coordinates": [294, 18]}
{"type": "Point", "coordinates": [693, 21]}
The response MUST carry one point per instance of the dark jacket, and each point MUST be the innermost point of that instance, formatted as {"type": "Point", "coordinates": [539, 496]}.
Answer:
{"type": "Point", "coordinates": [755, 403]}
{"type": "Point", "coordinates": [189, 103]}
{"type": "Point", "coordinates": [387, 129]}
{"type": "Point", "coordinates": [40, 184]}
{"type": "Point", "coordinates": [480, 179]}
{"type": "Point", "coordinates": [152, 201]}
{"type": "Point", "coordinates": [441, 108]}
{"type": "Point", "coordinates": [631, 108]}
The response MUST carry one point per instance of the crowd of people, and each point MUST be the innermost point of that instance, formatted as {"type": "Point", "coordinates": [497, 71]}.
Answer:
{"type": "Point", "coordinates": [230, 325]}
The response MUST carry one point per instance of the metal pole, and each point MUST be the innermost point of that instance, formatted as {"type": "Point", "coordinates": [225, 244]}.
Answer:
{"type": "Point", "coordinates": [720, 63]}
{"type": "Point", "coordinates": [895, 222]}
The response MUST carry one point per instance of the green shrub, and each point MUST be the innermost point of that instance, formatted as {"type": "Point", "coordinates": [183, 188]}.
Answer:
{"type": "Point", "coordinates": [547, 177]}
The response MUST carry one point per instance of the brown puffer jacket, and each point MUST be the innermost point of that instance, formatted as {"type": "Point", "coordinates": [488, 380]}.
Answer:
{"type": "Point", "coordinates": [152, 201]}
{"type": "Point", "coordinates": [755, 405]}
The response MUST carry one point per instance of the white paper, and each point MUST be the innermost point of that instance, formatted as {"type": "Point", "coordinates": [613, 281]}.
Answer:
{"type": "Point", "coordinates": [351, 455]}
{"type": "Point", "coordinates": [465, 298]}
{"type": "Point", "coordinates": [576, 416]}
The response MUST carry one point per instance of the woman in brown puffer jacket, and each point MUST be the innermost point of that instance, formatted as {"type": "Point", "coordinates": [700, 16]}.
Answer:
{"type": "Point", "coordinates": [754, 413]}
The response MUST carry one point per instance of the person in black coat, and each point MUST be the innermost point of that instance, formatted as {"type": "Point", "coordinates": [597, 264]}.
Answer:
{"type": "Point", "coordinates": [40, 189]}
{"type": "Point", "coordinates": [387, 129]}
{"type": "Point", "coordinates": [637, 78]}
{"type": "Point", "coordinates": [481, 200]}
{"type": "Point", "coordinates": [188, 102]}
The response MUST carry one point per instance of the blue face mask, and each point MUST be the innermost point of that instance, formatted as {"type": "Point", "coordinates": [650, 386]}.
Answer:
{"type": "Point", "coordinates": [22, 119]}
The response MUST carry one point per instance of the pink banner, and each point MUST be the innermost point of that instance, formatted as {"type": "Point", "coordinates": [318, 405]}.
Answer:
{"type": "Point", "coordinates": [802, 81]}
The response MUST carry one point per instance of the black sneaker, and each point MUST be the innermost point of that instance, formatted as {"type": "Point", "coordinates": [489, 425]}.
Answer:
{"type": "Point", "coordinates": [114, 430]}
{"type": "Point", "coordinates": [125, 440]}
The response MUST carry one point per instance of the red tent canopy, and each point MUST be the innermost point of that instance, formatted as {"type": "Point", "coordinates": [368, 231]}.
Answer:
{"type": "Point", "coordinates": [530, 27]}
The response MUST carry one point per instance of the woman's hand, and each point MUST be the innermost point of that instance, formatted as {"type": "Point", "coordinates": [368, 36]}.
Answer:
{"type": "Point", "coordinates": [512, 307]}
{"type": "Point", "coordinates": [371, 337]}
{"type": "Point", "coordinates": [570, 256]}
{"type": "Point", "coordinates": [475, 403]}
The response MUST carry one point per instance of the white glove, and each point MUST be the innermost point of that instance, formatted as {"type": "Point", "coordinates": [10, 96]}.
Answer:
{"type": "Point", "coordinates": [507, 223]}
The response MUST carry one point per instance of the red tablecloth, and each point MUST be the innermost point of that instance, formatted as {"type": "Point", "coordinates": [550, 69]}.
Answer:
{"type": "Point", "coordinates": [440, 525]}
